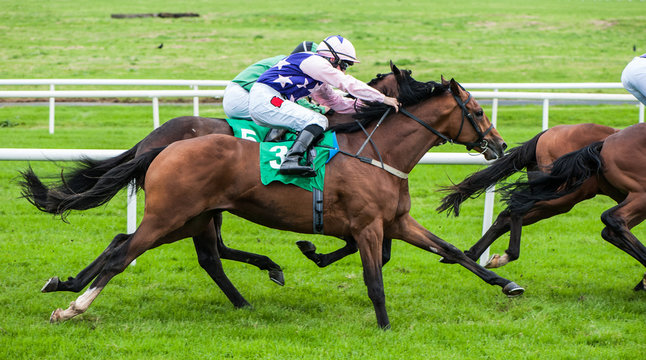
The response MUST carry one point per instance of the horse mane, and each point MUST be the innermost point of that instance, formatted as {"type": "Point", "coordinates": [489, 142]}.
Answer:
{"type": "Point", "coordinates": [411, 92]}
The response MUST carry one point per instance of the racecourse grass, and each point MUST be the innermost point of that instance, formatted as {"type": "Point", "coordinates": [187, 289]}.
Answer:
{"type": "Point", "coordinates": [578, 304]}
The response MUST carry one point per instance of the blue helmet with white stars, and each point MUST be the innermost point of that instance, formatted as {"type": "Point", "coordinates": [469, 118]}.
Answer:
{"type": "Point", "coordinates": [337, 47]}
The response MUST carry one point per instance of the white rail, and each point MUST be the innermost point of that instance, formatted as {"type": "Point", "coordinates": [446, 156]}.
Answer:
{"type": "Point", "coordinates": [495, 95]}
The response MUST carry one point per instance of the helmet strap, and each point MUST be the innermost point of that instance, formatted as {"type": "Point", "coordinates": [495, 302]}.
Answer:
{"type": "Point", "coordinates": [336, 60]}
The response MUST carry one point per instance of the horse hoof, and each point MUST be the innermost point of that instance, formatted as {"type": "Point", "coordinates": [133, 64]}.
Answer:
{"type": "Point", "coordinates": [306, 246]}
{"type": "Point", "coordinates": [277, 277]}
{"type": "Point", "coordinates": [492, 263]}
{"type": "Point", "coordinates": [56, 316]}
{"type": "Point", "coordinates": [512, 290]}
{"type": "Point", "coordinates": [50, 285]}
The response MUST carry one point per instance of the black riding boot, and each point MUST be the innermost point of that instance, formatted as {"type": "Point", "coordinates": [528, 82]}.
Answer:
{"type": "Point", "coordinates": [291, 164]}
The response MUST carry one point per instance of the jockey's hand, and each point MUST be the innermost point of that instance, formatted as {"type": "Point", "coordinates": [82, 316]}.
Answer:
{"type": "Point", "coordinates": [391, 101]}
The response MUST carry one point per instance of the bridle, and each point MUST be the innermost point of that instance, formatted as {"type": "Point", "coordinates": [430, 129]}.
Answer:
{"type": "Point", "coordinates": [480, 142]}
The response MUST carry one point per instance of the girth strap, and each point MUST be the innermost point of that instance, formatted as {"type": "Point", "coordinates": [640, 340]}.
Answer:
{"type": "Point", "coordinates": [400, 174]}
{"type": "Point", "coordinates": [317, 208]}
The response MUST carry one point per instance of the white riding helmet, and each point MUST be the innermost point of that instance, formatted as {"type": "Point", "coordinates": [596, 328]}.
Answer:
{"type": "Point", "coordinates": [341, 46]}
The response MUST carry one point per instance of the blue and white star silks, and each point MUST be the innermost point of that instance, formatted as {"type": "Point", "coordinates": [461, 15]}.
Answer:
{"type": "Point", "coordinates": [282, 80]}
{"type": "Point", "coordinates": [288, 79]}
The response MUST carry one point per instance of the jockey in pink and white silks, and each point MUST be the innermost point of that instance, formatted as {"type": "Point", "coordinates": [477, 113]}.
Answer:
{"type": "Point", "coordinates": [272, 98]}
{"type": "Point", "coordinates": [235, 101]}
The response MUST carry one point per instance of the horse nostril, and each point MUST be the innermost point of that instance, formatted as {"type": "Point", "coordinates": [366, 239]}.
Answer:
{"type": "Point", "coordinates": [504, 146]}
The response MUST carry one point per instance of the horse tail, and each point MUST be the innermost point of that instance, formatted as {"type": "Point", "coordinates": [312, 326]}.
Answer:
{"type": "Point", "coordinates": [61, 202]}
{"type": "Point", "coordinates": [567, 174]}
{"type": "Point", "coordinates": [516, 159]}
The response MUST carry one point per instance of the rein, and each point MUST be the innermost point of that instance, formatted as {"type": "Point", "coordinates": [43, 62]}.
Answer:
{"type": "Point", "coordinates": [481, 142]}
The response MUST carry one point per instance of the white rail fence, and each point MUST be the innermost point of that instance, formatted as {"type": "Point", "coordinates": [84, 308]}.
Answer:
{"type": "Point", "coordinates": [196, 93]}
{"type": "Point", "coordinates": [430, 158]}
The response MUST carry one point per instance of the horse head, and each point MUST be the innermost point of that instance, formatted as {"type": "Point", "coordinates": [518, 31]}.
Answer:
{"type": "Point", "coordinates": [476, 130]}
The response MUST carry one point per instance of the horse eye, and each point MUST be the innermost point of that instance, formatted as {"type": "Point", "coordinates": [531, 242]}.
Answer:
{"type": "Point", "coordinates": [479, 113]}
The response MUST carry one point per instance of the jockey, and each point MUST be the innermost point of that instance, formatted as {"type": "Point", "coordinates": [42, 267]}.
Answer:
{"type": "Point", "coordinates": [634, 78]}
{"type": "Point", "coordinates": [272, 97]}
{"type": "Point", "coordinates": [235, 101]}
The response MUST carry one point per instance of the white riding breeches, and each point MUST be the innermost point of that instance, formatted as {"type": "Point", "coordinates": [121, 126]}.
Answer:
{"type": "Point", "coordinates": [634, 78]}
{"type": "Point", "coordinates": [268, 108]}
{"type": "Point", "coordinates": [235, 102]}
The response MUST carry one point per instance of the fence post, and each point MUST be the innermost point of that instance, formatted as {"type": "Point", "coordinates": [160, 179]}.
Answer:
{"type": "Point", "coordinates": [52, 106]}
{"type": "Point", "coordinates": [546, 111]}
{"type": "Point", "coordinates": [131, 211]}
{"type": "Point", "coordinates": [155, 113]}
{"type": "Point", "coordinates": [487, 219]}
{"type": "Point", "coordinates": [196, 103]}
{"type": "Point", "coordinates": [494, 110]}
{"type": "Point", "coordinates": [641, 112]}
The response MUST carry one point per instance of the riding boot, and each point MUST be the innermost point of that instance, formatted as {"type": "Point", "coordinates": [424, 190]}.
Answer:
{"type": "Point", "coordinates": [291, 164]}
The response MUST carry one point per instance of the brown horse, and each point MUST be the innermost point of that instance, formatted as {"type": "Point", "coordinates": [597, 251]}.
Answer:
{"type": "Point", "coordinates": [617, 165]}
{"type": "Point", "coordinates": [199, 177]}
{"type": "Point", "coordinates": [534, 155]}
{"type": "Point", "coordinates": [87, 172]}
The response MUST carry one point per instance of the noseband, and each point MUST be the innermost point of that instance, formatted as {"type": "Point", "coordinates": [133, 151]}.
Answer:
{"type": "Point", "coordinates": [481, 142]}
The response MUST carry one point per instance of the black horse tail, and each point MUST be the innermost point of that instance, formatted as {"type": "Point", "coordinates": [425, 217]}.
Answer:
{"type": "Point", "coordinates": [87, 173]}
{"type": "Point", "coordinates": [82, 178]}
{"type": "Point", "coordinates": [61, 202]}
{"type": "Point", "coordinates": [516, 159]}
{"type": "Point", "coordinates": [568, 173]}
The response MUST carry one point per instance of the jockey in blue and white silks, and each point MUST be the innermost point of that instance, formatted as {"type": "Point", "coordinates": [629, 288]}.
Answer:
{"type": "Point", "coordinates": [271, 100]}
{"type": "Point", "coordinates": [235, 101]}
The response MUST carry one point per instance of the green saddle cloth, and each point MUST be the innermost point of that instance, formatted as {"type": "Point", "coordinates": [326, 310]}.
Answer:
{"type": "Point", "coordinates": [272, 153]}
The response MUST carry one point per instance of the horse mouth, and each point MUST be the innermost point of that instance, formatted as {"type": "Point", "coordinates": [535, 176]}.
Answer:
{"type": "Point", "coordinates": [493, 152]}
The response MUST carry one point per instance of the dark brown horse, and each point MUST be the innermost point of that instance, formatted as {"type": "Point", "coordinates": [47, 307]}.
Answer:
{"type": "Point", "coordinates": [534, 155]}
{"type": "Point", "coordinates": [200, 177]}
{"type": "Point", "coordinates": [87, 172]}
{"type": "Point", "coordinates": [617, 165]}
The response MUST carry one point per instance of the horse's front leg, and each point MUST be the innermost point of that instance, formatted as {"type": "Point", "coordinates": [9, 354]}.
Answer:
{"type": "Point", "coordinates": [261, 261]}
{"type": "Point", "coordinates": [369, 240]}
{"type": "Point", "coordinates": [409, 230]}
{"type": "Point", "coordinates": [322, 260]}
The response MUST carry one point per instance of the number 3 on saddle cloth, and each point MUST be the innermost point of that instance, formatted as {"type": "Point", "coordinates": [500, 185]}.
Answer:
{"type": "Point", "coordinates": [272, 154]}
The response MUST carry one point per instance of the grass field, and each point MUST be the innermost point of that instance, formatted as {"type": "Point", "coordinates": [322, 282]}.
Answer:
{"type": "Point", "coordinates": [578, 304]}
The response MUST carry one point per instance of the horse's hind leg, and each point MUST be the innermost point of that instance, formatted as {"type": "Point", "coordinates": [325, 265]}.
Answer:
{"type": "Point", "coordinates": [86, 275]}
{"type": "Point", "coordinates": [619, 220]}
{"type": "Point", "coordinates": [260, 261]}
{"type": "Point", "coordinates": [114, 262]}
{"type": "Point", "coordinates": [413, 233]}
{"type": "Point", "coordinates": [209, 259]}
{"type": "Point", "coordinates": [497, 229]}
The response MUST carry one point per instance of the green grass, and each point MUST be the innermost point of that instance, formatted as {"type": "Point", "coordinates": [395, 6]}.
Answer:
{"type": "Point", "coordinates": [492, 41]}
{"type": "Point", "coordinates": [578, 301]}
{"type": "Point", "coordinates": [578, 304]}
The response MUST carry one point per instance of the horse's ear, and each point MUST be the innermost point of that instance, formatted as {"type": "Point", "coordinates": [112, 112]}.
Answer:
{"type": "Point", "coordinates": [394, 69]}
{"type": "Point", "coordinates": [444, 82]}
{"type": "Point", "coordinates": [455, 87]}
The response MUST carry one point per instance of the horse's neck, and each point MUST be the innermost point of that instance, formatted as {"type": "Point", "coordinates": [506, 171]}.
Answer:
{"type": "Point", "coordinates": [400, 142]}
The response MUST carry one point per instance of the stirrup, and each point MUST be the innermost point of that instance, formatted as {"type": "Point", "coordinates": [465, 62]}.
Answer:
{"type": "Point", "coordinates": [275, 135]}
{"type": "Point", "coordinates": [292, 167]}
